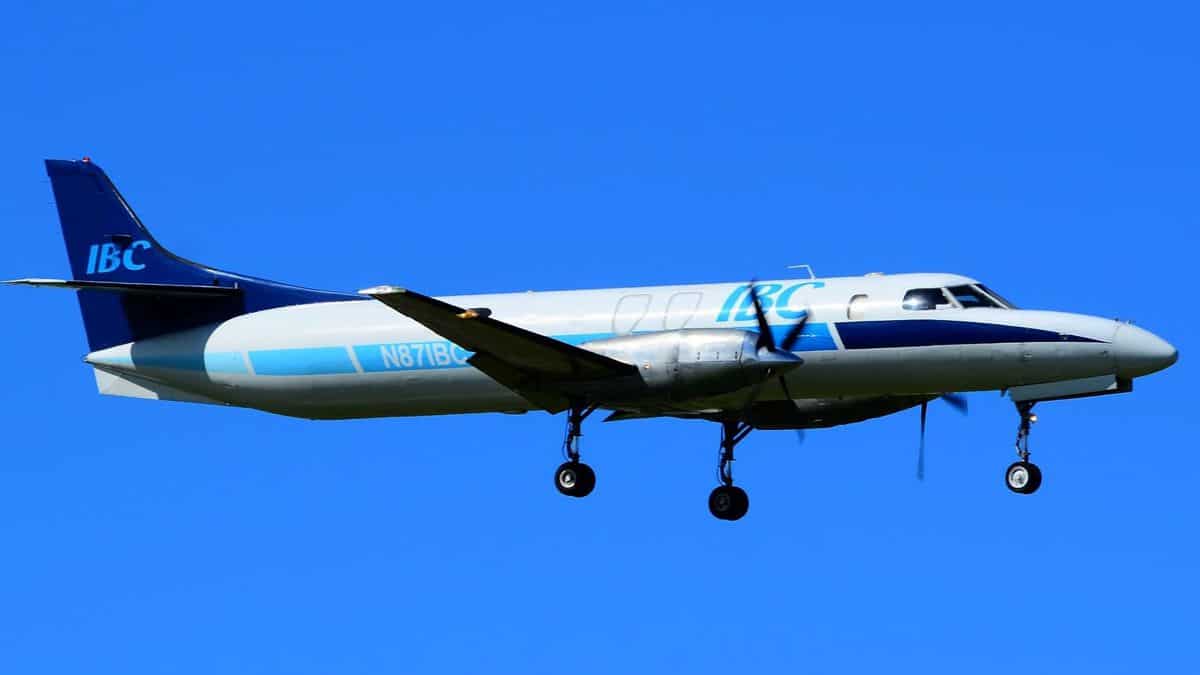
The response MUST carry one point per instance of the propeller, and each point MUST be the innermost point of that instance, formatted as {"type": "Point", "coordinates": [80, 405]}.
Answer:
{"type": "Point", "coordinates": [765, 337]}
{"type": "Point", "coordinates": [779, 354]}
{"type": "Point", "coordinates": [956, 401]}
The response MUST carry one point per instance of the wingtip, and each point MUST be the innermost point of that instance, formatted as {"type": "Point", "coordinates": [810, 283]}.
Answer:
{"type": "Point", "coordinates": [382, 290]}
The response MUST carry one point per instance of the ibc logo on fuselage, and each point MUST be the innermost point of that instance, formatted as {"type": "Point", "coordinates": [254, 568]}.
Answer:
{"type": "Point", "coordinates": [105, 258]}
{"type": "Point", "coordinates": [772, 297]}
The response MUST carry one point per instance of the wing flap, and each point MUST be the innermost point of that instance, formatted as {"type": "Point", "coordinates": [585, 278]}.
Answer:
{"type": "Point", "coordinates": [530, 387]}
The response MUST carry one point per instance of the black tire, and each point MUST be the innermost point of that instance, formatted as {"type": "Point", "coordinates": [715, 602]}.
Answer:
{"type": "Point", "coordinates": [728, 502]}
{"type": "Point", "coordinates": [574, 479]}
{"type": "Point", "coordinates": [1035, 479]}
{"type": "Point", "coordinates": [1023, 477]}
{"type": "Point", "coordinates": [587, 480]}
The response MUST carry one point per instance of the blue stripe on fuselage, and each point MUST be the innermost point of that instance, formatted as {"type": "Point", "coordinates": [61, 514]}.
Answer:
{"type": "Point", "coordinates": [428, 355]}
{"type": "Point", "coordinates": [302, 361]}
{"type": "Point", "coordinates": [443, 354]}
{"type": "Point", "coordinates": [814, 338]}
{"type": "Point", "coordinates": [935, 332]}
{"type": "Point", "coordinates": [205, 362]}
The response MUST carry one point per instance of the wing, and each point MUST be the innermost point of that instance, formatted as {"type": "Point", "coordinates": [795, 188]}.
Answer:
{"type": "Point", "coordinates": [537, 367]}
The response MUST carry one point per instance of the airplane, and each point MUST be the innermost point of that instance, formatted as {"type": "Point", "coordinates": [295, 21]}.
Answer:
{"type": "Point", "coordinates": [778, 354]}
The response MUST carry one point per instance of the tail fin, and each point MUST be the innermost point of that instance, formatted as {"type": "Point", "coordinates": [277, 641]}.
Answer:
{"type": "Point", "coordinates": [107, 243]}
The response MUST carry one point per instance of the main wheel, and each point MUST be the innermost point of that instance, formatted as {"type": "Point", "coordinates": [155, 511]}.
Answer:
{"type": "Point", "coordinates": [728, 502]}
{"type": "Point", "coordinates": [1023, 477]}
{"type": "Point", "coordinates": [575, 479]}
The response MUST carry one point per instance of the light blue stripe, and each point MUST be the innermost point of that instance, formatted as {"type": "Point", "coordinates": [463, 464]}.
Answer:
{"type": "Point", "coordinates": [392, 357]}
{"type": "Point", "coordinates": [225, 362]}
{"type": "Point", "coordinates": [302, 361]}
{"type": "Point", "coordinates": [208, 362]}
{"type": "Point", "coordinates": [436, 355]}
{"type": "Point", "coordinates": [580, 338]}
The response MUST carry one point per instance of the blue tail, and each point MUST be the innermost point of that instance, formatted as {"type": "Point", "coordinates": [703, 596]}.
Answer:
{"type": "Point", "coordinates": [107, 243]}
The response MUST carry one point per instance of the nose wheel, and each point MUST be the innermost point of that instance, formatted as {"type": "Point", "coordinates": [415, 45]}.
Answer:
{"type": "Point", "coordinates": [727, 501]}
{"type": "Point", "coordinates": [1023, 476]}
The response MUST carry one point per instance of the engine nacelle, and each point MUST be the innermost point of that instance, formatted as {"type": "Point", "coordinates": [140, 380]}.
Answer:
{"type": "Point", "coordinates": [689, 363]}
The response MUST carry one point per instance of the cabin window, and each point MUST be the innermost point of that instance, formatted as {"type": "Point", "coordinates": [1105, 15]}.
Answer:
{"type": "Point", "coordinates": [969, 296]}
{"type": "Point", "coordinates": [681, 309]}
{"type": "Point", "coordinates": [926, 298]}
{"type": "Point", "coordinates": [630, 312]}
{"type": "Point", "coordinates": [857, 307]}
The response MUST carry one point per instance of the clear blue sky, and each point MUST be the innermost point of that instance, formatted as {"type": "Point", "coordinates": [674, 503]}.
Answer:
{"type": "Point", "coordinates": [1048, 150]}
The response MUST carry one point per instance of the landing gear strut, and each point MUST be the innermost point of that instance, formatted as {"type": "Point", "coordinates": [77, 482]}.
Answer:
{"type": "Point", "coordinates": [727, 501]}
{"type": "Point", "coordinates": [1024, 477]}
{"type": "Point", "coordinates": [573, 478]}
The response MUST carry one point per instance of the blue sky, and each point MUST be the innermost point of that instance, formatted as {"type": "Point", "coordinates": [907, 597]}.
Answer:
{"type": "Point", "coordinates": [1050, 151]}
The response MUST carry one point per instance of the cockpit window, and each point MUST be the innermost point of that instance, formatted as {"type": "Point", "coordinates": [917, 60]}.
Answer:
{"type": "Point", "coordinates": [926, 298]}
{"type": "Point", "coordinates": [997, 297]}
{"type": "Point", "coordinates": [969, 296]}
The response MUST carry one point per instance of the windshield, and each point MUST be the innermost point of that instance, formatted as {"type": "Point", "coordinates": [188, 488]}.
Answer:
{"type": "Point", "coordinates": [966, 296]}
{"type": "Point", "coordinates": [969, 296]}
{"type": "Point", "coordinates": [996, 296]}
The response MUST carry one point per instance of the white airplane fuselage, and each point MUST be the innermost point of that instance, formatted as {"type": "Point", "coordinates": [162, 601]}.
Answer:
{"type": "Point", "coordinates": [359, 358]}
{"type": "Point", "coordinates": [785, 354]}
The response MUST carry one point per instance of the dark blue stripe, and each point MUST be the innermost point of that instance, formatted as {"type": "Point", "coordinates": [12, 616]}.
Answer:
{"type": "Point", "coordinates": [934, 332]}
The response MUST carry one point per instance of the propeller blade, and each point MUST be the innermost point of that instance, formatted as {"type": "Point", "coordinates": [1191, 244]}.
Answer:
{"type": "Point", "coordinates": [799, 437]}
{"type": "Point", "coordinates": [956, 401]}
{"type": "Point", "coordinates": [793, 334]}
{"type": "Point", "coordinates": [748, 406]}
{"type": "Point", "coordinates": [765, 338]}
{"type": "Point", "coordinates": [921, 451]}
{"type": "Point", "coordinates": [787, 392]}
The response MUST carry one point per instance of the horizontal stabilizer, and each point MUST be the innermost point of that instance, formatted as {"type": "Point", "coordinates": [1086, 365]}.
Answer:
{"type": "Point", "coordinates": [131, 386]}
{"type": "Point", "coordinates": [195, 290]}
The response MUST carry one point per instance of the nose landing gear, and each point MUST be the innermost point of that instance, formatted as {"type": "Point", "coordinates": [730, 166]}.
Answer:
{"type": "Point", "coordinates": [573, 478]}
{"type": "Point", "coordinates": [1024, 477]}
{"type": "Point", "coordinates": [727, 501]}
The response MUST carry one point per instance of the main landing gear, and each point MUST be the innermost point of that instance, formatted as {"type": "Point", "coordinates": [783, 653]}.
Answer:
{"type": "Point", "coordinates": [573, 478]}
{"type": "Point", "coordinates": [1024, 477]}
{"type": "Point", "coordinates": [576, 479]}
{"type": "Point", "coordinates": [727, 501]}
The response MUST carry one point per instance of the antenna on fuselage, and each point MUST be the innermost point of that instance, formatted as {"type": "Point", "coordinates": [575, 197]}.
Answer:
{"type": "Point", "coordinates": [806, 268]}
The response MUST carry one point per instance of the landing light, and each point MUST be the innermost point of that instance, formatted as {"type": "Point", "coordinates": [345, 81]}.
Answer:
{"type": "Point", "coordinates": [1033, 418]}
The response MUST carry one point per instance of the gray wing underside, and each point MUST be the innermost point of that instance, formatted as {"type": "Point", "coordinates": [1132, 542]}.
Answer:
{"type": "Point", "coordinates": [540, 369]}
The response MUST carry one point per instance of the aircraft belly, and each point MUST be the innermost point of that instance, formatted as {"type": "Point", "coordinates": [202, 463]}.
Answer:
{"type": "Point", "coordinates": [379, 394]}
{"type": "Point", "coordinates": [940, 369]}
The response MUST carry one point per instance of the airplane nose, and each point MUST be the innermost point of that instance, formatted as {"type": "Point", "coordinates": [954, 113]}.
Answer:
{"type": "Point", "coordinates": [1140, 352]}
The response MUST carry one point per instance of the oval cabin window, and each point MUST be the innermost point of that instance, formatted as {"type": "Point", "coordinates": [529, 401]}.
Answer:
{"type": "Point", "coordinates": [857, 307]}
